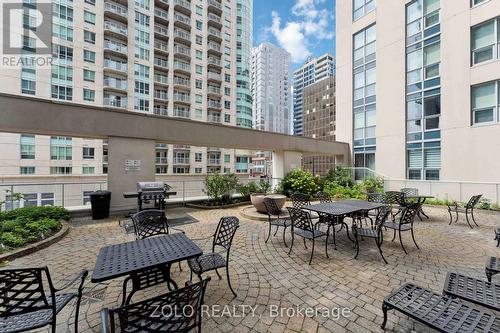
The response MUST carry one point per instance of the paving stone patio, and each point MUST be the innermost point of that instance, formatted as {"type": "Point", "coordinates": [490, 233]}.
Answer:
{"type": "Point", "coordinates": [267, 279]}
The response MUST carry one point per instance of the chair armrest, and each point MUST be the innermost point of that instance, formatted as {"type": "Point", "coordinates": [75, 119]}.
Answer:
{"type": "Point", "coordinates": [454, 204]}
{"type": "Point", "coordinates": [80, 276]}
{"type": "Point", "coordinates": [106, 325]}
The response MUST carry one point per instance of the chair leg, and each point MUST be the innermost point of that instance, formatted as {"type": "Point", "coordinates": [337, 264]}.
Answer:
{"type": "Point", "coordinates": [468, 222]}
{"type": "Point", "coordinates": [394, 237]}
{"type": "Point", "coordinates": [180, 267]}
{"type": "Point", "coordinates": [385, 308]}
{"type": "Point", "coordinates": [451, 217]}
{"type": "Point", "coordinates": [334, 233]}
{"type": "Point", "coordinates": [356, 245]}
{"type": "Point", "coordinates": [456, 217]}
{"type": "Point", "coordinates": [379, 245]}
{"type": "Point", "coordinates": [284, 239]}
{"type": "Point", "coordinates": [191, 276]}
{"type": "Point", "coordinates": [291, 245]}
{"type": "Point", "coordinates": [124, 290]}
{"type": "Point", "coordinates": [401, 241]}
{"type": "Point", "coordinates": [216, 271]}
{"type": "Point", "coordinates": [326, 242]}
{"type": "Point", "coordinates": [269, 233]}
{"type": "Point", "coordinates": [413, 237]}
{"type": "Point", "coordinates": [229, 281]}
{"type": "Point", "coordinates": [312, 251]}
{"type": "Point", "coordinates": [276, 231]}
{"type": "Point", "coordinates": [304, 243]}
{"type": "Point", "coordinates": [77, 311]}
{"type": "Point", "coordinates": [473, 218]}
{"type": "Point", "coordinates": [54, 325]}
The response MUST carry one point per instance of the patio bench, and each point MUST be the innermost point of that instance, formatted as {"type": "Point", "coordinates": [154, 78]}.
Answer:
{"type": "Point", "coordinates": [472, 290]}
{"type": "Point", "coordinates": [440, 312]}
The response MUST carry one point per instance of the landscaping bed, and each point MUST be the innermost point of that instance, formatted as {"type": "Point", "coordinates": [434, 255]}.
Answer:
{"type": "Point", "coordinates": [29, 225]}
{"type": "Point", "coordinates": [206, 204]}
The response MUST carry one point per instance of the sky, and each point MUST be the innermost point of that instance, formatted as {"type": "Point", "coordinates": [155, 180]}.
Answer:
{"type": "Point", "coordinates": [302, 27]}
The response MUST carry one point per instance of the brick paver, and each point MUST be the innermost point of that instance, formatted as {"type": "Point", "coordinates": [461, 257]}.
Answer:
{"type": "Point", "coordinates": [272, 282]}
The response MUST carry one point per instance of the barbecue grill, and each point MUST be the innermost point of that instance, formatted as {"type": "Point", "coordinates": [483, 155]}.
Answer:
{"type": "Point", "coordinates": [151, 191]}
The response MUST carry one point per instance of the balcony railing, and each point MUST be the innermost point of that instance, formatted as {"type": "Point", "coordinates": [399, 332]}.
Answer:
{"type": "Point", "coordinates": [116, 27]}
{"type": "Point", "coordinates": [116, 65]}
{"type": "Point", "coordinates": [160, 110]}
{"type": "Point", "coordinates": [115, 83]}
{"type": "Point", "coordinates": [215, 4]}
{"type": "Point", "coordinates": [182, 19]}
{"type": "Point", "coordinates": [161, 95]}
{"type": "Point", "coordinates": [181, 81]}
{"type": "Point", "coordinates": [113, 46]}
{"type": "Point", "coordinates": [180, 97]}
{"type": "Point", "coordinates": [159, 78]}
{"type": "Point", "coordinates": [214, 18]}
{"type": "Point", "coordinates": [214, 61]}
{"type": "Point", "coordinates": [182, 112]}
{"type": "Point", "coordinates": [214, 46]}
{"type": "Point", "coordinates": [163, 63]}
{"type": "Point", "coordinates": [161, 29]}
{"type": "Point", "coordinates": [116, 9]}
{"type": "Point", "coordinates": [213, 161]}
{"type": "Point", "coordinates": [164, 3]}
{"type": "Point", "coordinates": [214, 32]}
{"type": "Point", "coordinates": [182, 66]}
{"type": "Point", "coordinates": [183, 5]}
{"type": "Point", "coordinates": [161, 160]}
{"type": "Point", "coordinates": [214, 76]}
{"type": "Point", "coordinates": [213, 118]}
{"type": "Point", "coordinates": [214, 104]}
{"type": "Point", "coordinates": [161, 13]}
{"type": "Point", "coordinates": [181, 160]}
{"type": "Point", "coordinates": [214, 90]}
{"type": "Point", "coordinates": [182, 34]}
{"type": "Point", "coordinates": [115, 101]}
{"type": "Point", "coordinates": [161, 46]}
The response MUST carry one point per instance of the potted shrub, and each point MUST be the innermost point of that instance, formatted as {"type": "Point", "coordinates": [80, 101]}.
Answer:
{"type": "Point", "coordinates": [258, 198]}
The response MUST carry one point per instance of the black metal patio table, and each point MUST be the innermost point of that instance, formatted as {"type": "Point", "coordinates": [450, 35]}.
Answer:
{"type": "Point", "coordinates": [420, 199]}
{"type": "Point", "coordinates": [135, 257]}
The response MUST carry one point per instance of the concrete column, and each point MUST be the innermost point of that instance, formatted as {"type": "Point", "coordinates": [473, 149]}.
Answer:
{"type": "Point", "coordinates": [123, 179]}
{"type": "Point", "coordinates": [283, 162]}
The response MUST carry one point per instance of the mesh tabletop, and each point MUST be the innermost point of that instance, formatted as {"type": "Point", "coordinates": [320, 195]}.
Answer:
{"type": "Point", "coordinates": [131, 257]}
{"type": "Point", "coordinates": [472, 290]}
{"type": "Point", "coordinates": [332, 208]}
{"type": "Point", "coordinates": [442, 313]}
{"type": "Point", "coordinates": [419, 197]}
{"type": "Point", "coordinates": [360, 204]}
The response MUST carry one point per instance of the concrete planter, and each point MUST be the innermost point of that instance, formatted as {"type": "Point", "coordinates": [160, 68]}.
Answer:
{"type": "Point", "coordinates": [258, 201]}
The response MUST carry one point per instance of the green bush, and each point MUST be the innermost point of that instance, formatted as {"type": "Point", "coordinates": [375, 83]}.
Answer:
{"type": "Point", "coordinates": [337, 191]}
{"type": "Point", "coordinates": [340, 175]}
{"type": "Point", "coordinates": [373, 184]}
{"type": "Point", "coordinates": [300, 181]}
{"type": "Point", "coordinates": [30, 224]}
{"type": "Point", "coordinates": [246, 189]}
{"type": "Point", "coordinates": [219, 187]}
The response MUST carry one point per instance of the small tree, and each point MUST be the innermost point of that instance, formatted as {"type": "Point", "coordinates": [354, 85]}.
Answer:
{"type": "Point", "coordinates": [219, 187]}
{"type": "Point", "coordinates": [299, 180]}
{"type": "Point", "coordinates": [13, 197]}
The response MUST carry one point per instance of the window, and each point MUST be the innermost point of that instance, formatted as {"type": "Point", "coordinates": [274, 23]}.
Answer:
{"type": "Point", "coordinates": [199, 10]}
{"type": "Point", "coordinates": [141, 71]}
{"type": "Point", "coordinates": [30, 199]}
{"type": "Point", "coordinates": [142, 3]}
{"type": "Point", "coordinates": [88, 170]}
{"type": "Point", "coordinates": [227, 91]}
{"type": "Point", "coordinates": [89, 56]}
{"type": "Point", "coordinates": [28, 86]}
{"type": "Point", "coordinates": [61, 170]}
{"type": "Point", "coordinates": [61, 148]}
{"type": "Point", "coordinates": [477, 2]}
{"type": "Point", "coordinates": [199, 69]}
{"type": "Point", "coordinates": [485, 42]}
{"type": "Point", "coordinates": [88, 75]}
{"type": "Point", "coordinates": [90, 2]}
{"type": "Point", "coordinates": [88, 153]}
{"type": "Point", "coordinates": [199, 54]}
{"type": "Point", "coordinates": [24, 170]}
{"type": "Point", "coordinates": [89, 17]}
{"type": "Point", "coordinates": [181, 170]}
{"type": "Point", "coordinates": [199, 25]}
{"type": "Point", "coordinates": [227, 118]}
{"type": "Point", "coordinates": [199, 84]}
{"type": "Point", "coordinates": [227, 158]}
{"type": "Point", "coordinates": [198, 99]}
{"type": "Point", "coordinates": [198, 170]}
{"type": "Point", "coordinates": [28, 147]}
{"type": "Point", "coordinates": [161, 170]}
{"type": "Point", "coordinates": [198, 157]}
{"type": "Point", "coordinates": [227, 105]}
{"type": "Point", "coordinates": [89, 36]}
{"type": "Point", "coordinates": [485, 103]}
{"type": "Point", "coordinates": [199, 40]}
{"type": "Point", "coordinates": [198, 113]}
{"type": "Point", "coordinates": [88, 95]}
{"type": "Point", "coordinates": [361, 8]}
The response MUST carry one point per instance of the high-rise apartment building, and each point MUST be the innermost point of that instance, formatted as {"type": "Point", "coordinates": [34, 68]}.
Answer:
{"type": "Point", "coordinates": [313, 70]}
{"type": "Point", "coordinates": [271, 88]}
{"type": "Point", "coordinates": [319, 122]}
{"type": "Point", "coordinates": [175, 58]}
{"type": "Point", "coordinates": [418, 87]}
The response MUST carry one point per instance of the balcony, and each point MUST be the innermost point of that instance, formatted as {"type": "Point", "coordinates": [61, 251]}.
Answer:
{"type": "Point", "coordinates": [116, 11]}
{"type": "Point", "coordinates": [213, 61]}
{"type": "Point", "coordinates": [182, 147]}
{"type": "Point", "coordinates": [115, 47]}
{"type": "Point", "coordinates": [215, 6]}
{"type": "Point", "coordinates": [182, 112]}
{"type": "Point", "coordinates": [160, 95]}
{"type": "Point", "coordinates": [214, 20]}
{"type": "Point", "coordinates": [162, 3]}
{"type": "Point", "coordinates": [182, 82]}
{"type": "Point", "coordinates": [182, 67]}
{"type": "Point", "coordinates": [115, 101]}
{"type": "Point", "coordinates": [180, 97]}
{"type": "Point", "coordinates": [214, 90]}
{"type": "Point", "coordinates": [182, 21]}
{"type": "Point", "coordinates": [161, 47]}
{"type": "Point", "coordinates": [214, 117]}
{"type": "Point", "coordinates": [112, 83]}
{"type": "Point", "coordinates": [183, 6]}
{"type": "Point", "coordinates": [161, 160]}
{"type": "Point", "coordinates": [181, 160]}
{"type": "Point", "coordinates": [161, 63]}
{"type": "Point", "coordinates": [182, 52]}
{"type": "Point", "coordinates": [161, 31]}
{"type": "Point", "coordinates": [182, 36]}
{"type": "Point", "coordinates": [213, 161]}
{"type": "Point", "coordinates": [212, 76]}
{"type": "Point", "coordinates": [214, 104]}
{"type": "Point", "coordinates": [161, 15]}
{"type": "Point", "coordinates": [160, 79]}
{"type": "Point", "coordinates": [113, 65]}
{"type": "Point", "coordinates": [214, 48]}
{"type": "Point", "coordinates": [214, 34]}
{"type": "Point", "coordinates": [116, 29]}
{"type": "Point", "coordinates": [160, 110]}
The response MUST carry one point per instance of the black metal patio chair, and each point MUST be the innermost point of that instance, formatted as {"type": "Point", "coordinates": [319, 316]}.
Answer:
{"type": "Point", "coordinates": [149, 223]}
{"type": "Point", "coordinates": [223, 237]}
{"type": "Point", "coordinates": [410, 191]}
{"type": "Point", "coordinates": [468, 209]}
{"type": "Point", "coordinates": [324, 197]}
{"type": "Point", "coordinates": [299, 200]}
{"type": "Point", "coordinates": [303, 226]}
{"type": "Point", "coordinates": [405, 223]}
{"type": "Point", "coordinates": [374, 197]}
{"type": "Point", "coordinates": [275, 218]}
{"type": "Point", "coordinates": [397, 201]}
{"type": "Point", "coordinates": [375, 232]}
{"type": "Point", "coordinates": [26, 305]}
{"type": "Point", "coordinates": [177, 311]}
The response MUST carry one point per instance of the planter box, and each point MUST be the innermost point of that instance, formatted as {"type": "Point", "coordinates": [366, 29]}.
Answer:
{"type": "Point", "coordinates": [258, 201]}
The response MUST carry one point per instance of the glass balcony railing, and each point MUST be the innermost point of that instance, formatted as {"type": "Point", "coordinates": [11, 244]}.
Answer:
{"type": "Point", "coordinates": [183, 5]}
{"type": "Point", "coordinates": [213, 90]}
{"type": "Point", "coordinates": [114, 46]}
{"type": "Point", "coordinates": [214, 76]}
{"type": "Point", "coordinates": [182, 66]}
{"type": "Point", "coordinates": [214, 32]}
{"type": "Point", "coordinates": [161, 160]}
{"type": "Point", "coordinates": [161, 13]}
{"type": "Point", "coordinates": [161, 95]}
{"type": "Point", "coordinates": [181, 160]}
{"type": "Point", "coordinates": [182, 19]}
{"type": "Point", "coordinates": [161, 29]}
{"type": "Point", "coordinates": [214, 61]}
{"type": "Point", "coordinates": [214, 18]}
{"type": "Point", "coordinates": [182, 112]}
{"type": "Point", "coordinates": [116, 65]}
{"type": "Point", "coordinates": [215, 4]}
{"type": "Point", "coordinates": [181, 97]}
{"type": "Point", "coordinates": [182, 34]}
{"type": "Point", "coordinates": [182, 81]}
{"type": "Point", "coordinates": [214, 46]}
{"type": "Point", "coordinates": [161, 46]}
{"type": "Point", "coordinates": [214, 104]}
{"type": "Point", "coordinates": [160, 62]}
{"type": "Point", "coordinates": [115, 83]}
{"type": "Point", "coordinates": [116, 27]}
{"type": "Point", "coordinates": [160, 110]}
{"type": "Point", "coordinates": [115, 101]}
{"type": "Point", "coordinates": [185, 51]}
{"type": "Point", "coordinates": [116, 9]}
{"type": "Point", "coordinates": [159, 78]}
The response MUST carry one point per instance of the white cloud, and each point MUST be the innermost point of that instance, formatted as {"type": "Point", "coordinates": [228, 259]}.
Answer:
{"type": "Point", "coordinates": [309, 23]}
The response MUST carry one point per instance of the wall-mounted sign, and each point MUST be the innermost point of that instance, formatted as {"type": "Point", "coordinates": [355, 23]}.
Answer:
{"type": "Point", "coordinates": [133, 165]}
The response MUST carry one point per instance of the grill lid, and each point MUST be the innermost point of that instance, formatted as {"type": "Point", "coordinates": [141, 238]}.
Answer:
{"type": "Point", "coordinates": [150, 186]}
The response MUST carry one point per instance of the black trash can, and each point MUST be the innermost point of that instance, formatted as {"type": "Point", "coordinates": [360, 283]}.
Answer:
{"type": "Point", "coordinates": [99, 201]}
